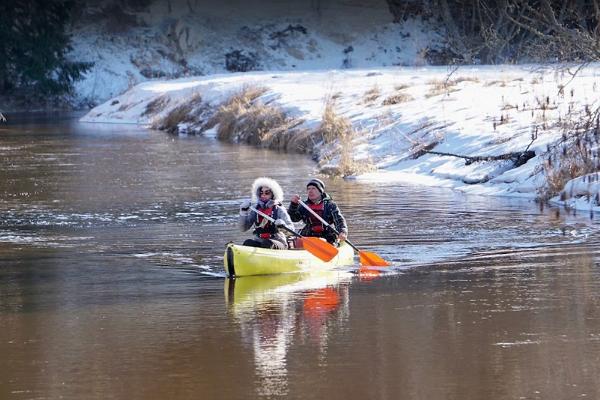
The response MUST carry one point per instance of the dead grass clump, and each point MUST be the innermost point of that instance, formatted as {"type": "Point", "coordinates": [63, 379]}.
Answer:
{"type": "Point", "coordinates": [262, 126]}
{"type": "Point", "coordinates": [500, 83]}
{"type": "Point", "coordinates": [333, 126]}
{"type": "Point", "coordinates": [337, 132]}
{"type": "Point", "coordinates": [371, 95]}
{"type": "Point", "coordinates": [461, 79]}
{"type": "Point", "coordinates": [439, 87]}
{"type": "Point", "coordinates": [156, 106]}
{"type": "Point", "coordinates": [185, 112]}
{"type": "Point", "coordinates": [397, 98]}
{"type": "Point", "coordinates": [128, 106]}
{"type": "Point", "coordinates": [244, 118]}
{"type": "Point", "coordinates": [233, 110]}
{"type": "Point", "coordinates": [300, 140]}
{"type": "Point", "coordinates": [576, 156]}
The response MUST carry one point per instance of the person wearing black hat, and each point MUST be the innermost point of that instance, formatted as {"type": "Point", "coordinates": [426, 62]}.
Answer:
{"type": "Point", "coordinates": [322, 204]}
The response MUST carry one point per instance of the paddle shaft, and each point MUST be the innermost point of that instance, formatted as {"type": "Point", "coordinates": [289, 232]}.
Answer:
{"type": "Point", "coordinates": [271, 220]}
{"type": "Point", "coordinates": [317, 247]}
{"type": "Point", "coordinates": [310, 210]}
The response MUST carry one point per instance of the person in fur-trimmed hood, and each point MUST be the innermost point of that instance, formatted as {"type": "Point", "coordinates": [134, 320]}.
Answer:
{"type": "Point", "coordinates": [267, 196]}
{"type": "Point", "coordinates": [322, 204]}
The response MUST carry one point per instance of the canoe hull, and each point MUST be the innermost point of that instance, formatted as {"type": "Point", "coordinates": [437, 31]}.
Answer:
{"type": "Point", "coordinates": [245, 261]}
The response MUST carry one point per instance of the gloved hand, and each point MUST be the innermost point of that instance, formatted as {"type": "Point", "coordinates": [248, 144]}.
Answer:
{"type": "Point", "coordinates": [295, 199]}
{"type": "Point", "coordinates": [244, 207]}
{"type": "Point", "coordinates": [279, 222]}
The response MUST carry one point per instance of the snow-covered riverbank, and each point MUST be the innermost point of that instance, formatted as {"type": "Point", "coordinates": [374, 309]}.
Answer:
{"type": "Point", "coordinates": [399, 113]}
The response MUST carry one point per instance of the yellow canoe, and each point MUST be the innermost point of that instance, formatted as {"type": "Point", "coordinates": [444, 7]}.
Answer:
{"type": "Point", "coordinates": [244, 260]}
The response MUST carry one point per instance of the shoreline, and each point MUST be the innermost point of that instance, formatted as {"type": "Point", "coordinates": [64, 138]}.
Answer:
{"type": "Point", "coordinates": [395, 116]}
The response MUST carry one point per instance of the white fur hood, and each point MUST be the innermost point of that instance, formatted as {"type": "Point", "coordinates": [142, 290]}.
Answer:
{"type": "Point", "coordinates": [271, 184]}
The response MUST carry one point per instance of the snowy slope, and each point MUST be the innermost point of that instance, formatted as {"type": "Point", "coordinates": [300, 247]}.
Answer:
{"type": "Point", "coordinates": [170, 39]}
{"type": "Point", "coordinates": [471, 111]}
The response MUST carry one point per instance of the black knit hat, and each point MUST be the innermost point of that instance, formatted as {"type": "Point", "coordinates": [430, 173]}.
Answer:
{"type": "Point", "coordinates": [317, 183]}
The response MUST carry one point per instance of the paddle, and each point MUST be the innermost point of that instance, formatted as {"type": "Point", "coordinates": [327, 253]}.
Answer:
{"type": "Point", "coordinates": [315, 246]}
{"type": "Point", "coordinates": [366, 257]}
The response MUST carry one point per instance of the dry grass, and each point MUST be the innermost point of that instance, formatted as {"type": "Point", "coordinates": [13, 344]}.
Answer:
{"type": "Point", "coordinates": [401, 86]}
{"type": "Point", "coordinates": [333, 126]}
{"type": "Point", "coordinates": [397, 98]}
{"type": "Point", "coordinates": [576, 156]}
{"type": "Point", "coordinates": [350, 166]}
{"type": "Point", "coordinates": [187, 112]}
{"type": "Point", "coordinates": [337, 131]}
{"type": "Point", "coordinates": [300, 140]}
{"type": "Point", "coordinates": [371, 95]}
{"type": "Point", "coordinates": [244, 118]}
{"type": "Point", "coordinates": [234, 110]}
{"type": "Point", "coordinates": [156, 106]}
{"type": "Point", "coordinates": [128, 106]}
{"type": "Point", "coordinates": [461, 79]}
{"type": "Point", "coordinates": [439, 87]}
{"type": "Point", "coordinates": [501, 83]}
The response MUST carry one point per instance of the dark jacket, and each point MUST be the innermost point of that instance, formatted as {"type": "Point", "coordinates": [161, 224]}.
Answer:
{"type": "Point", "coordinates": [331, 214]}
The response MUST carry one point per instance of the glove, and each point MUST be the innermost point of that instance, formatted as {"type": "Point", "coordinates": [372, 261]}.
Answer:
{"type": "Point", "coordinates": [244, 207]}
{"type": "Point", "coordinates": [279, 222]}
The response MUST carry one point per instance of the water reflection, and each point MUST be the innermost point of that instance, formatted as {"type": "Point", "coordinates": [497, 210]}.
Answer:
{"type": "Point", "coordinates": [276, 312]}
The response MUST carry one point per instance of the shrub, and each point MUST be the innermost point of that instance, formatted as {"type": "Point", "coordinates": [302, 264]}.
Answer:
{"type": "Point", "coordinates": [241, 61]}
{"type": "Point", "coordinates": [575, 155]}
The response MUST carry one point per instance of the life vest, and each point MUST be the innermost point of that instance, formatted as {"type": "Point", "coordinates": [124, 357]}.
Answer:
{"type": "Point", "coordinates": [316, 226]}
{"type": "Point", "coordinates": [264, 228]}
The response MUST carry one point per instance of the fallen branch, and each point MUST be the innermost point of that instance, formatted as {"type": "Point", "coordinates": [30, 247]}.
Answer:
{"type": "Point", "coordinates": [518, 158]}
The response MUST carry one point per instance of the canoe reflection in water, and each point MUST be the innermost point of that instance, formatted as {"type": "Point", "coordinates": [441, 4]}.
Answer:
{"type": "Point", "coordinates": [277, 310]}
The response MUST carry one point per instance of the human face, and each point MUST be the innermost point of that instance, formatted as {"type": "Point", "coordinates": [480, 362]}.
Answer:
{"type": "Point", "coordinates": [313, 193]}
{"type": "Point", "coordinates": [265, 194]}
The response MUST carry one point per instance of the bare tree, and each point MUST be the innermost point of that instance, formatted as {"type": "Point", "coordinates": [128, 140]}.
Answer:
{"type": "Point", "coordinates": [493, 31]}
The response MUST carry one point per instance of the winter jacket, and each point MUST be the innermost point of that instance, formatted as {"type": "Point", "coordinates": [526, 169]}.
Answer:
{"type": "Point", "coordinates": [279, 212]}
{"type": "Point", "coordinates": [250, 218]}
{"type": "Point", "coordinates": [331, 214]}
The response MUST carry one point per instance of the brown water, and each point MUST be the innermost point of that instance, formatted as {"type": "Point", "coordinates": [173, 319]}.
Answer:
{"type": "Point", "coordinates": [111, 282]}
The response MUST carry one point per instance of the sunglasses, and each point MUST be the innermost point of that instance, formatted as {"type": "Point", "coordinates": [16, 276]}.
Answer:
{"type": "Point", "coordinates": [265, 192]}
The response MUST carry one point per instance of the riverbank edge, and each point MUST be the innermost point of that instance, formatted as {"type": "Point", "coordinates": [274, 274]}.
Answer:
{"type": "Point", "coordinates": [189, 106]}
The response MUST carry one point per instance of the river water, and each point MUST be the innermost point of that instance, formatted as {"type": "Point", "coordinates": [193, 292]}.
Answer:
{"type": "Point", "coordinates": [112, 285]}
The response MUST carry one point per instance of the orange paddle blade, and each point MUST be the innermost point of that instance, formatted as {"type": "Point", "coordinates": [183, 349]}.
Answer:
{"type": "Point", "coordinates": [372, 259]}
{"type": "Point", "coordinates": [319, 248]}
